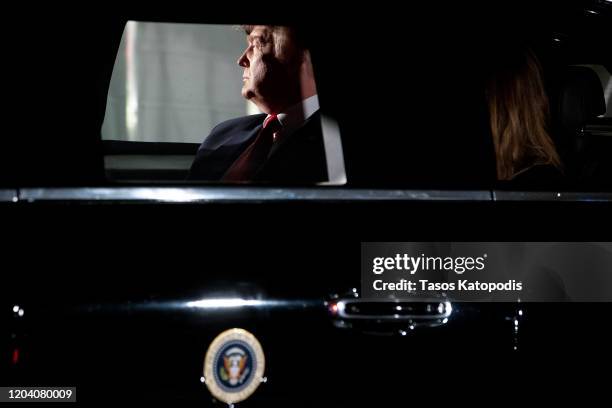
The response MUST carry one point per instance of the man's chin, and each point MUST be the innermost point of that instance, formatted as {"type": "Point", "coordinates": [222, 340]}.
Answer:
{"type": "Point", "coordinates": [252, 97]}
{"type": "Point", "coordinates": [247, 92]}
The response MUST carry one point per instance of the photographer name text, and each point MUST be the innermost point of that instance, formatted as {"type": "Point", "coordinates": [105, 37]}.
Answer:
{"type": "Point", "coordinates": [411, 265]}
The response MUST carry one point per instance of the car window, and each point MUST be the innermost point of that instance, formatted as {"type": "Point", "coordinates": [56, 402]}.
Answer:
{"type": "Point", "coordinates": [186, 103]}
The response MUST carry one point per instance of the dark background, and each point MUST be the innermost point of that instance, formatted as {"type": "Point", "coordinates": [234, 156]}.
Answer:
{"type": "Point", "coordinates": [373, 61]}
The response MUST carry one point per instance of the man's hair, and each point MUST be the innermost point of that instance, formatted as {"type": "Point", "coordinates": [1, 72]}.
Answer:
{"type": "Point", "coordinates": [297, 34]}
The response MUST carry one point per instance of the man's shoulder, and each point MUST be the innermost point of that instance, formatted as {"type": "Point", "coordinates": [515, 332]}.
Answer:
{"type": "Point", "coordinates": [241, 123]}
{"type": "Point", "coordinates": [241, 127]}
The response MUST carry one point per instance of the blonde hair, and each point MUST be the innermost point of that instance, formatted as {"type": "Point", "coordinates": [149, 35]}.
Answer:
{"type": "Point", "coordinates": [289, 41]}
{"type": "Point", "coordinates": [519, 114]}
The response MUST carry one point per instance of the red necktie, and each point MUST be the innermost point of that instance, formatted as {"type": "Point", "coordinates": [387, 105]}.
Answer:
{"type": "Point", "coordinates": [251, 160]}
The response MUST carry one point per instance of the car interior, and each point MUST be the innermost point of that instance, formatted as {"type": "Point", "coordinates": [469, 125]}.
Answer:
{"type": "Point", "coordinates": [434, 133]}
{"type": "Point", "coordinates": [580, 127]}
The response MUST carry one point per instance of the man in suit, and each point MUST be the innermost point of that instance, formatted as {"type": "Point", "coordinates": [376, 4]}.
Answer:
{"type": "Point", "coordinates": [284, 144]}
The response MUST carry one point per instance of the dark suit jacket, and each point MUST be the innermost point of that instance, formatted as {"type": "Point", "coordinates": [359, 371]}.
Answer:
{"type": "Point", "coordinates": [297, 158]}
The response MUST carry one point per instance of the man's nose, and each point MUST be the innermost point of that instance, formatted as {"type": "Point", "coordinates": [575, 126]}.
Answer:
{"type": "Point", "coordinates": [243, 61]}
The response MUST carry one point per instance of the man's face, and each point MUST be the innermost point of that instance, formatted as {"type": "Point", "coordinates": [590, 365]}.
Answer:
{"type": "Point", "coordinates": [271, 69]}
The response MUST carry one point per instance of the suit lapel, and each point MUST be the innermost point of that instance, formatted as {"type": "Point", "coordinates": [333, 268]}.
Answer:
{"type": "Point", "coordinates": [239, 142]}
{"type": "Point", "coordinates": [214, 160]}
{"type": "Point", "coordinates": [246, 137]}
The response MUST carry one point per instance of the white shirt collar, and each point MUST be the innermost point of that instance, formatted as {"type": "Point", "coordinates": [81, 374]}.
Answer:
{"type": "Point", "coordinates": [296, 115]}
{"type": "Point", "coordinates": [299, 112]}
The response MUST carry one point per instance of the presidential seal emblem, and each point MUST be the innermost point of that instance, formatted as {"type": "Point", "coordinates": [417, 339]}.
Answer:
{"type": "Point", "coordinates": [234, 366]}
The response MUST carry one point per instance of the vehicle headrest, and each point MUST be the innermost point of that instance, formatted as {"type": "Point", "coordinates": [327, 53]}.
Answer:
{"type": "Point", "coordinates": [580, 98]}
